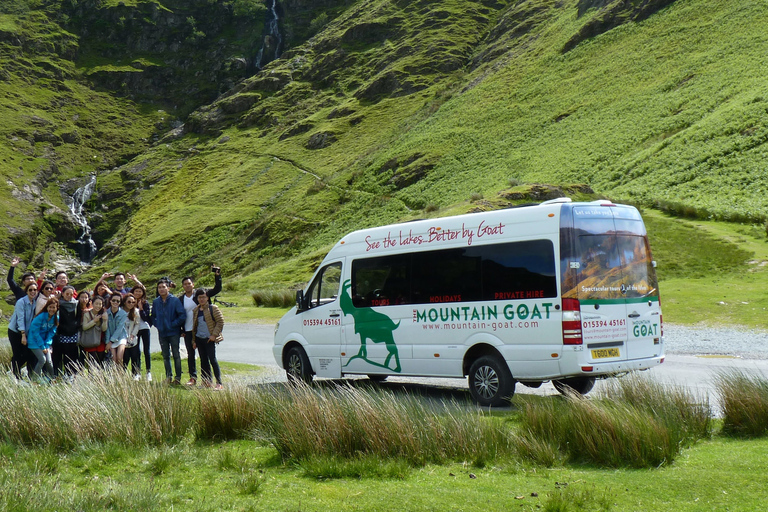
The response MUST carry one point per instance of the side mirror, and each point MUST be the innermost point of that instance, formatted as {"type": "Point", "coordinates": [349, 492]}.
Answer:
{"type": "Point", "coordinates": [300, 300]}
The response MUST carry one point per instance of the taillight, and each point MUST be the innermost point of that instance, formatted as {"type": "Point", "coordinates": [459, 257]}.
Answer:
{"type": "Point", "coordinates": [571, 322]}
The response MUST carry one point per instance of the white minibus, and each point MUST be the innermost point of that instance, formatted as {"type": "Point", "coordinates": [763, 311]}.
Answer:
{"type": "Point", "coordinates": [561, 291]}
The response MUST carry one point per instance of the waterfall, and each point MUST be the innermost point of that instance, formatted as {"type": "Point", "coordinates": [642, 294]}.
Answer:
{"type": "Point", "coordinates": [270, 46]}
{"type": "Point", "coordinates": [87, 247]}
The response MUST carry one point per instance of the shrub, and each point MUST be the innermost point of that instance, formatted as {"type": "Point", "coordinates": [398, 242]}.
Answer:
{"type": "Point", "coordinates": [744, 400]}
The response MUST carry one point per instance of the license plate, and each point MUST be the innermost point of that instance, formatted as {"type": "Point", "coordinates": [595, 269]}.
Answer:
{"type": "Point", "coordinates": [602, 353]}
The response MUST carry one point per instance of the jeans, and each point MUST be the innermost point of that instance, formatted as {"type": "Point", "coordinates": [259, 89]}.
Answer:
{"type": "Point", "coordinates": [43, 361]}
{"type": "Point", "coordinates": [144, 340]}
{"type": "Point", "coordinates": [189, 339]}
{"type": "Point", "coordinates": [168, 344]}
{"type": "Point", "coordinates": [133, 354]}
{"type": "Point", "coordinates": [21, 354]}
{"type": "Point", "coordinates": [65, 357]}
{"type": "Point", "coordinates": [207, 359]}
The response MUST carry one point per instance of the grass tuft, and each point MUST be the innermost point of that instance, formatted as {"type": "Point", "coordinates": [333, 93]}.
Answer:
{"type": "Point", "coordinates": [274, 298]}
{"type": "Point", "coordinates": [744, 399]}
{"type": "Point", "coordinates": [634, 423]}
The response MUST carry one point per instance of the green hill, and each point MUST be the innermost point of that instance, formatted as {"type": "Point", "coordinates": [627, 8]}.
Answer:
{"type": "Point", "coordinates": [378, 111]}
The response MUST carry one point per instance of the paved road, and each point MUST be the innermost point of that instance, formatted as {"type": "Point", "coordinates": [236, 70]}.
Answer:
{"type": "Point", "coordinates": [252, 344]}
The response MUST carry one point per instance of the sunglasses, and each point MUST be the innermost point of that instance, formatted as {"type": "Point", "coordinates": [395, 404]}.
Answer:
{"type": "Point", "coordinates": [115, 301]}
{"type": "Point", "coordinates": [48, 288]}
{"type": "Point", "coordinates": [31, 290]}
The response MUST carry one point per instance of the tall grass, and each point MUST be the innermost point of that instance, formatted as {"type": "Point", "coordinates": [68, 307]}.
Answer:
{"type": "Point", "coordinates": [350, 422]}
{"type": "Point", "coordinates": [633, 423]}
{"type": "Point", "coordinates": [274, 298]}
{"type": "Point", "coordinates": [340, 429]}
{"type": "Point", "coordinates": [744, 400]}
{"type": "Point", "coordinates": [5, 355]}
{"type": "Point", "coordinates": [102, 406]}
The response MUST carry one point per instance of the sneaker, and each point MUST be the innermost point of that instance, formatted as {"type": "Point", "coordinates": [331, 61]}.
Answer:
{"type": "Point", "coordinates": [206, 384]}
{"type": "Point", "coordinates": [218, 387]}
{"type": "Point", "coordinates": [137, 377]}
{"type": "Point", "coordinates": [176, 382]}
{"type": "Point", "coordinates": [167, 380]}
{"type": "Point", "coordinates": [149, 377]}
{"type": "Point", "coordinates": [192, 381]}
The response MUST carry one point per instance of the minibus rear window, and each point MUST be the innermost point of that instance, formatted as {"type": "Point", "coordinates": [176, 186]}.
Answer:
{"type": "Point", "coordinates": [611, 257]}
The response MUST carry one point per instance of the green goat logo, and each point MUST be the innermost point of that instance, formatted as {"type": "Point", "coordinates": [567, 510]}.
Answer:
{"type": "Point", "coordinates": [370, 325]}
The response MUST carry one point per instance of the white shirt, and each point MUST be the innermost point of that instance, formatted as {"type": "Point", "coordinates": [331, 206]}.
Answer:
{"type": "Point", "coordinates": [189, 307]}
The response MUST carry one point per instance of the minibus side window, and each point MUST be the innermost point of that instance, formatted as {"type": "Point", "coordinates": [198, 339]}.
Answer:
{"type": "Point", "coordinates": [514, 270]}
{"type": "Point", "coordinates": [325, 287]}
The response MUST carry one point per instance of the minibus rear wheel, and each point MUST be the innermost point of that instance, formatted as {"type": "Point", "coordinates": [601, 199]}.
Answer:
{"type": "Point", "coordinates": [490, 381]}
{"type": "Point", "coordinates": [579, 385]}
{"type": "Point", "coordinates": [297, 366]}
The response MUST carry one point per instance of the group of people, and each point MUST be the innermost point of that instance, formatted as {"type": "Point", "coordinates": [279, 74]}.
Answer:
{"type": "Point", "coordinates": [56, 331]}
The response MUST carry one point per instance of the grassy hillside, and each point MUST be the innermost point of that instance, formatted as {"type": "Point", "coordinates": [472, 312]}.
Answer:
{"type": "Point", "coordinates": [395, 110]}
{"type": "Point", "coordinates": [398, 107]}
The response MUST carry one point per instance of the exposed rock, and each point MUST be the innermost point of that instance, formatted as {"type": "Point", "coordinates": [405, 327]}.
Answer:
{"type": "Point", "coordinates": [389, 84]}
{"type": "Point", "coordinates": [296, 129]}
{"type": "Point", "coordinates": [320, 140]}
{"type": "Point", "coordinates": [239, 103]}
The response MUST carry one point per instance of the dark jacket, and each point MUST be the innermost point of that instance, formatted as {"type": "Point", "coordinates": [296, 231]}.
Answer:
{"type": "Point", "coordinates": [168, 316]}
{"type": "Point", "coordinates": [19, 292]}
{"type": "Point", "coordinates": [68, 321]}
{"type": "Point", "coordinates": [145, 314]}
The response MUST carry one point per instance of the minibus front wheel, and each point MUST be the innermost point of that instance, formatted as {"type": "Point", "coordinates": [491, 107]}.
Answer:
{"type": "Point", "coordinates": [490, 381]}
{"type": "Point", "coordinates": [297, 366]}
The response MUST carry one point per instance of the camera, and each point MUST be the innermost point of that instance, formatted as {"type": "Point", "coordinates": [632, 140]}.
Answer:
{"type": "Point", "coordinates": [215, 269]}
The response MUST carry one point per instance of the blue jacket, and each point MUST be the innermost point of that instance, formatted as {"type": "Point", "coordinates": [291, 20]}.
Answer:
{"type": "Point", "coordinates": [23, 313]}
{"type": "Point", "coordinates": [116, 325]}
{"type": "Point", "coordinates": [41, 331]}
{"type": "Point", "coordinates": [168, 316]}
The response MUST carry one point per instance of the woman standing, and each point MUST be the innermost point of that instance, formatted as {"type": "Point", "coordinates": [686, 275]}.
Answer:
{"type": "Point", "coordinates": [103, 291]}
{"type": "Point", "coordinates": [117, 335]}
{"type": "Point", "coordinates": [132, 323]}
{"type": "Point", "coordinates": [65, 353]}
{"type": "Point", "coordinates": [91, 336]}
{"type": "Point", "coordinates": [18, 327]}
{"type": "Point", "coordinates": [142, 305]}
{"type": "Point", "coordinates": [46, 292]}
{"type": "Point", "coordinates": [207, 325]}
{"type": "Point", "coordinates": [40, 337]}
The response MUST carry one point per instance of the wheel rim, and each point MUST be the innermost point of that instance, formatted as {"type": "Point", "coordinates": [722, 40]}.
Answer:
{"type": "Point", "coordinates": [294, 365]}
{"type": "Point", "coordinates": [486, 382]}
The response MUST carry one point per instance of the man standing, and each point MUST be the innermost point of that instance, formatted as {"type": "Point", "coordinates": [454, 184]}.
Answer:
{"type": "Point", "coordinates": [168, 316]}
{"type": "Point", "coordinates": [26, 279]}
{"type": "Point", "coordinates": [189, 301]}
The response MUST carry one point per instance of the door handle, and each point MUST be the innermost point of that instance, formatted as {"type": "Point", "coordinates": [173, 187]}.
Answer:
{"type": "Point", "coordinates": [633, 315]}
{"type": "Point", "coordinates": [336, 315]}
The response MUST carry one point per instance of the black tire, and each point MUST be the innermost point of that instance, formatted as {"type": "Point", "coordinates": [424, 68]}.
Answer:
{"type": "Point", "coordinates": [378, 378]}
{"type": "Point", "coordinates": [297, 366]}
{"type": "Point", "coordinates": [578, 385]}
{"type": "Point", "coordinates": [490, 381]}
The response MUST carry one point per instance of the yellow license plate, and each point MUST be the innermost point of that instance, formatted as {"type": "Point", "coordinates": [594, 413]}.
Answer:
{"type": "Point", "coordinates": [602, 353]}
